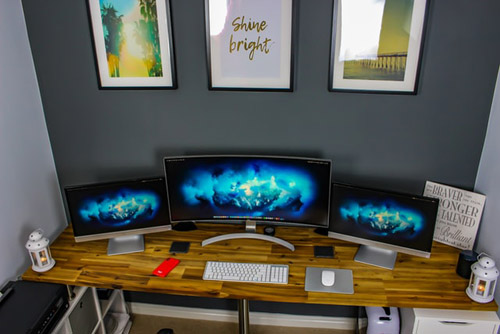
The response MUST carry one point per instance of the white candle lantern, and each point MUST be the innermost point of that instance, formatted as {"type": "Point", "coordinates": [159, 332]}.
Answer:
{"type": "Point", "coordinates": [40, 256]}
{"type": "Point", "coordinates": [483, 280]}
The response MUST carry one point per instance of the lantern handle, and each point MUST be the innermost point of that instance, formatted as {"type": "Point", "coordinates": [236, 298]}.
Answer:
{"type": "Point", "coordinates": [483, 254]}
{"type": "Point", "coordinates": [36, 234]}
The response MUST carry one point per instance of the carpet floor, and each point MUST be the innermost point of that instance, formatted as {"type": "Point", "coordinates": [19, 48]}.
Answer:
{"type": "Point", "coordinates": [146, 324]}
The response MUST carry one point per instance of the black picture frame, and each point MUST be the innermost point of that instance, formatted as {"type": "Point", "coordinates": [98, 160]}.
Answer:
{"type": "Point", "coordinates": [233, 62]}
{"type": "Point", "coordinates": [139, 51]}
{"type": "Point", "coordinates": [390, 61]}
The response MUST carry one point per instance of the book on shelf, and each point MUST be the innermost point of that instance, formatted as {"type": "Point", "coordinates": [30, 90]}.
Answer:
{"type": "Point", "coordinates": [458, 216]}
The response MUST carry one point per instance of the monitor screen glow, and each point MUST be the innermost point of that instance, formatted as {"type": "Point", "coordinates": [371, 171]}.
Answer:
{"type": "Point", "coordinates": [278, 190]}
{"type": "Point", "coordinates": [400, 222]}
{"type": "Point", "coordinates": [108, 210]}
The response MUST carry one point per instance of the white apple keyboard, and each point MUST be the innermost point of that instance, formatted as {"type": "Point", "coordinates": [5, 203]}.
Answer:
{"type": "Point", "coordinates": [246, 272]}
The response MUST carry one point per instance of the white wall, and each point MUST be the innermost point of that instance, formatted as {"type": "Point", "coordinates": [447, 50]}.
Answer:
{"type": "Point", "coordinates": [488, 183]}
{"type": "Point", "coordinates": [29, 191]}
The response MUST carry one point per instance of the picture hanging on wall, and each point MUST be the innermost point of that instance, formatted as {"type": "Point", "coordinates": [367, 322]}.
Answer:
{"type": "Point", "coordinates": [133, 43]}
{"type": "Point", "coordinates": [249, 44]}
{"type": "Point", "coordinates": [377, 45]}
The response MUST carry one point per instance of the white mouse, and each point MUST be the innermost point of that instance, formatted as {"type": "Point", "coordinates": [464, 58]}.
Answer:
{"type": "Point", "coordinates": [327, 277]}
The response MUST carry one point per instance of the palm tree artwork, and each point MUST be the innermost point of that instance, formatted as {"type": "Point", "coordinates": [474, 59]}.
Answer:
{"type": "Point", "coordinates": [131, 38]}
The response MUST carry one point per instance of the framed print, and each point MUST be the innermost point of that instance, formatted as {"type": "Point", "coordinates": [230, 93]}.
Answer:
{"type": "Point", "coordinates": [249, 44]}
{"type": "Point", "coordinates": [133, 43]}
{"type": "Point", "coordinates": [377, 45]}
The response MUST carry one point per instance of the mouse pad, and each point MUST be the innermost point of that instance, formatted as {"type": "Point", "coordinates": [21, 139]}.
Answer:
{"type": "Point", "coordinates": [343, 281]}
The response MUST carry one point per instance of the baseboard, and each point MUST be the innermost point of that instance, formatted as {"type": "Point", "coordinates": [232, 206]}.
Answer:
{"type": "Point", "coordinates": [256, 318]}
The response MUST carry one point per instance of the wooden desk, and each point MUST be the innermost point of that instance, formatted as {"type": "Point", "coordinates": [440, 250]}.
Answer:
{"type": "Point", "coordinates": [415, 282]}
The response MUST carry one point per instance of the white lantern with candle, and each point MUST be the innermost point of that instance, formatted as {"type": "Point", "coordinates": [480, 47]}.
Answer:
{"type": "Point", "coordinates": [483, 280]}
{"type": "Point", "coordinates": [40, 256]}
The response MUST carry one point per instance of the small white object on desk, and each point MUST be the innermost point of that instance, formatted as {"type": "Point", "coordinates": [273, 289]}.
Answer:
{"type": "Point", "coordinates": [328, 277]}
{"type": "Point", "coordinates": [483, 280]}
{"type": "Point", "coordinates": [38, 247]}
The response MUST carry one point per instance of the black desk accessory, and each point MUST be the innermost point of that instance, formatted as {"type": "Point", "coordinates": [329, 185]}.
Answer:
{"type": "Point", "coordinates": [5, 294]}
{"type": "Point", "coordinates": [179, 247]}
{"type": "Point", "coordinates": [32, 307]}
{"type": "Point", "coordinates": [184, 226]}
{"type": "Point", "coordinates": [324, 251]}
{"type": "Point", "coordinates": [269, 230]}
{"type": "Point", "coordinates": [465, 260]}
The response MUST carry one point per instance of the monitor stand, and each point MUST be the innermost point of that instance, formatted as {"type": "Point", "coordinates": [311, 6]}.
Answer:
{"type": "Point", "coordinates": [184, 226]}
{"type": "Point", "coordinates": [376, 256]}
{"type": "Point", "coordinates": [126, 244]}
{"type": "Point", "coordinates": [321, 231]}
{"type": "Point", "coordinates": [250, 228]}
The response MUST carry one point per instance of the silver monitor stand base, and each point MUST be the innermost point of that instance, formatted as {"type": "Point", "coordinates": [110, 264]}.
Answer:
{"type": "Point", "coordinates": [126, 244]}
{"type": "Point", "coordinates": [250, 227]}
{"type": "Point", "coordinates": [376, 256]}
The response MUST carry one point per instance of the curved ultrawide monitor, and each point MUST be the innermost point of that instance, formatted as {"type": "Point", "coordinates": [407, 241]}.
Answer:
{"type": "Point", "coordinates": [109, 210]}
{"type": "Point", "coordinates": [399, 222]}
{"type": "Point", "coordinates": [230, 188]}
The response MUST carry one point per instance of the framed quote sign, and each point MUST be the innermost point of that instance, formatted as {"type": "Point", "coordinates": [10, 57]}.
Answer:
{"type": "Point", "coordinates": [249, 44]}
{"type": "Point", "coordinates": [133, 43]}
{"type": "Point", "coordinates": [377, 45]}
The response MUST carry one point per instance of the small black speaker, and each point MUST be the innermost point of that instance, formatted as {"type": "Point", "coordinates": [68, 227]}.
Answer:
{"type": "Point", "coordinates": [465, 260]}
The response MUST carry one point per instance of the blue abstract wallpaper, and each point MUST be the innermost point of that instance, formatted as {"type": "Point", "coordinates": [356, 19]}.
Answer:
{"type": "Point", "coordinates": [253, 188]}
{"type": "Point", "coordinates": [383, 217]}
{"type": "Point", "coordinates": [397, 219]}
{"type": "Point", "coordinates": [119, 208]}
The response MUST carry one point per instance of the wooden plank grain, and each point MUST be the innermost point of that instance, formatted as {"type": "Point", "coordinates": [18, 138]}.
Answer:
{"type": "Point", "coordinates": [414, 282]}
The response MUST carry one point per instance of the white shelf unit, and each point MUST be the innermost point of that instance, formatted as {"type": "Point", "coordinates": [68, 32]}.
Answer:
{"type": "Point", "coordinates": [87, 314]}
{"type": "Point", "coordinates": [434, 321]}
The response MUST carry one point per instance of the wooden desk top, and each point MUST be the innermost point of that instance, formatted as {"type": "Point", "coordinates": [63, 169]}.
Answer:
{"type": "Point", "coordinates": [414, 282]}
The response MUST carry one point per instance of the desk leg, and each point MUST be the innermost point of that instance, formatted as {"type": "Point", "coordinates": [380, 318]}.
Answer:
{"type": "Point", "coordinates": [243, 315]}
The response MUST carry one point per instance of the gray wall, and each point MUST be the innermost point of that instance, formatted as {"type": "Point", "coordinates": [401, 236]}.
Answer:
{"type": "Point", "coordinates": [488, 183]}
{"type": "Point", "coordinates": [392, 141]}
{"type": "Point", "coordinates": [29, 190]}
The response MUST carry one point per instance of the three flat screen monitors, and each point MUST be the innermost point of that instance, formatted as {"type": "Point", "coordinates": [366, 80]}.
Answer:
{"type": "Point", "coordinates": [267, 189]}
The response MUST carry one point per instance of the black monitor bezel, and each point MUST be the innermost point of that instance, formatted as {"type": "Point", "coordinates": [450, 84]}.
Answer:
{"type": "Point", "coordinates": [370, 242]}
{"type": "Point", "coordinates": [240, 221]}
{"type": "Point", "coordinates": [164, 225]}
